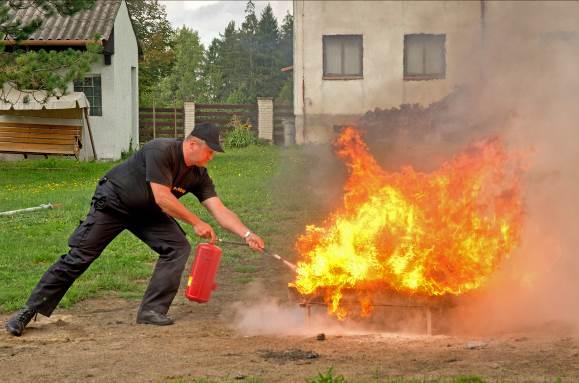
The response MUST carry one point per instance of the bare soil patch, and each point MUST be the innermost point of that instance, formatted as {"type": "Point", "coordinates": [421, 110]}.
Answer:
{"type": "Point", "coordinates": [98, 341]}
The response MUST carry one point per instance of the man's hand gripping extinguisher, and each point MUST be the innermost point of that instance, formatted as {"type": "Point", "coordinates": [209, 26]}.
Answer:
{"type": "Point", "coordinates": [201, 282]}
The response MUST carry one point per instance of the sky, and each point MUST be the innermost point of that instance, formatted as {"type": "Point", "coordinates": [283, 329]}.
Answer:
{"type": "Point", "coordinates": [210, 17]}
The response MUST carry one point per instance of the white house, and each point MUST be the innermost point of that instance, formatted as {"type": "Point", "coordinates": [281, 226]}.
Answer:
{"type": "Point", "coordinates": [354, 56]}
{"type": "Point", "coordinates": [111, 87]}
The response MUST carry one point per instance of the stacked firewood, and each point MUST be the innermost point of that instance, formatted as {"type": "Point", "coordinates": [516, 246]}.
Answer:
{"type": "Point", "coordinates": [417, 135]}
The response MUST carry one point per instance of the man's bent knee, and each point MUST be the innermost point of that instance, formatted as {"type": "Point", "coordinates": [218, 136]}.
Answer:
{"type": "Point", "coordinates": [184, 249]}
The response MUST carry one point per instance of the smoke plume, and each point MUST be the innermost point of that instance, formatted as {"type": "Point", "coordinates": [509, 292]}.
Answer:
{"type": "Point", "coordinates": [521, 84]}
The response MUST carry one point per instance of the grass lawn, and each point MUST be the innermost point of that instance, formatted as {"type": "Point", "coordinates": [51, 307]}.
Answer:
{"type": "Point", "coordinates": [31, 242]}
{"type": "Point", "coordinates": [332, 377]}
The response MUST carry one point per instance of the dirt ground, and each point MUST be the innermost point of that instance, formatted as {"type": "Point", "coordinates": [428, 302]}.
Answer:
{"type": "Point", "coordinates": [98, 341]}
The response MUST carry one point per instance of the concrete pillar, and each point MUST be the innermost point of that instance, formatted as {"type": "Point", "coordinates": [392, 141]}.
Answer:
{"type": "Point", "coordinates": [300, 129]}
{"type": "Point", "coordinates": [265, 118]}
{"type": "Point", "coordinates": [289, 131]}
{"type": "Point", "coordinates": [189, 110]}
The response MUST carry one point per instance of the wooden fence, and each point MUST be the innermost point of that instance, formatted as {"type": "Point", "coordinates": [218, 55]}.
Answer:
{"type": "Point", "coordinates": [169, 122]}
{"type": "Point", "coordinates": [221, 114]}
{"type": "Point", "coordinates": [160, 122]}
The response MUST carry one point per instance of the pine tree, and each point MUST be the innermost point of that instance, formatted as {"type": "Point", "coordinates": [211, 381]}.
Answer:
{"type": "Point", "coordinates": [50, 71]}
{"type": "Point", "coordinates": [249, 25]}
{"type": "Point", "coordinates": [212, 74]}
{"type": "Point", "coordinates": [247, 72]}
{"type": "Point", "coordinates": [269, 77]}
{"type": "Point", "coordinates": [233, 65]}
{"type": "Point", "coordinates": [285, 94]}
{"type": "Point", "coordinates": [287, 39]}
{"type": "Point", "coordinates": [245, 63]}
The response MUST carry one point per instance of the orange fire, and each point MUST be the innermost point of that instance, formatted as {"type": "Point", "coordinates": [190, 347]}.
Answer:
{"type": "Point", "coordinates": [431, 234]}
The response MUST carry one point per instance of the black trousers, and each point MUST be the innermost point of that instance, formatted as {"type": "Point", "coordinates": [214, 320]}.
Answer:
{"type": "Point", "coordinates": [107, 218]}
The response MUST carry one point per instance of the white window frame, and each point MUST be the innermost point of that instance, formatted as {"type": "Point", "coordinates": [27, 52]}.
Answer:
{"type": "Point", "coordinates": [95, 111]}
{"type": "Point", "coordinates": [342, 76]}
{"type": "Point", "coordinates": [422, 38]}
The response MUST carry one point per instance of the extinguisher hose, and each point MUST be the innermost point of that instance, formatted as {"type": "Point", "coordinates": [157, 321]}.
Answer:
{"type": "Point", "coordinates": [265, 251]}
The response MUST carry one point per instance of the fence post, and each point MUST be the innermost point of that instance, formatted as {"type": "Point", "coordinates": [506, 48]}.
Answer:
{"type": "Point", "coordinates": [265, 118]}
{"type": "Point", "coordinates": [189, 110]}
{"type": "Point", "coordinates": [154, 122]}
{"type": "Point", "coordinates": [175, 118]}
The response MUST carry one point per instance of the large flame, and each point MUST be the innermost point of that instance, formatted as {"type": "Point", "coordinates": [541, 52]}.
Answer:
{"type": "Point", "coordinates": [432, 234]}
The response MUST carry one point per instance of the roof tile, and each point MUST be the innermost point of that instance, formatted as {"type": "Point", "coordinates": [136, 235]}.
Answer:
{"type": "Point", "coordinates": [84, 25]}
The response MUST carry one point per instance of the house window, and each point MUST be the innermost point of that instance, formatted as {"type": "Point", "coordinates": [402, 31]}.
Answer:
{"type": "Point", "coordinates": [343, 57]}
{"type": "Point", "coordinates": [91, 86]}
{"type": "Point", "coordinates": [424, 57]}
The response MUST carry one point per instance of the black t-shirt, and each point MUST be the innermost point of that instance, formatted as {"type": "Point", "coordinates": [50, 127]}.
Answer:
{"type": "Point", "coordinates": [160, 161]}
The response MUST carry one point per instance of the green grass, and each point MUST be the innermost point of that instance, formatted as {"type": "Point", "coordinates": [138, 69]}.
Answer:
{"type": "Point", "coordinates": [31, 242]}
{"type": "Point", "coordinates": [331, 377]}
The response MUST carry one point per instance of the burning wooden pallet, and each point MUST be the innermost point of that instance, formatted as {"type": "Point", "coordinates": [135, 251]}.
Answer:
{"type": "Point", "coordinates": [388, 300]}
{"type": "Point", "coordinates": [412, 240]}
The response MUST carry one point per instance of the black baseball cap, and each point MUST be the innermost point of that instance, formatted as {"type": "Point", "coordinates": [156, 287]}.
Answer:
{"type": "Point", "coordinates": [209, 133]}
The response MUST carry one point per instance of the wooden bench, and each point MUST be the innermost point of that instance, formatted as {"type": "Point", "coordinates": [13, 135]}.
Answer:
{"type": "Point", "coordinates": [22, 138]}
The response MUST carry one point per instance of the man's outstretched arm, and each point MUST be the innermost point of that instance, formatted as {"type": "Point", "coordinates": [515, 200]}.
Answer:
{"type": "Point", "coordinates": [171, 206]}
{"type": "Point", "coordinates": [230, 221]}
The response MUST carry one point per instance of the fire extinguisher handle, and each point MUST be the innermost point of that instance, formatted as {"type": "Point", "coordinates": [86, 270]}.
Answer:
{"type": "Point", "coordinates": [232, 242]}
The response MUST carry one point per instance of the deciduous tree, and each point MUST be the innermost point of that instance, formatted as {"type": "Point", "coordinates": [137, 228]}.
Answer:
{"type": "Point", "coordinates": [155, 35]}
{"type": "Point", "coordinates": [186, 79]}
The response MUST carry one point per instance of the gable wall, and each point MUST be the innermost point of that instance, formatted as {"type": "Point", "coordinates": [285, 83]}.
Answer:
{"type": "Point", "coordinates": [114, 130]}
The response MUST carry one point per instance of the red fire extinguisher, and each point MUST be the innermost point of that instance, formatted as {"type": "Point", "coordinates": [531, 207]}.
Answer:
{"type": "Point", "coordinates": [202, 278]}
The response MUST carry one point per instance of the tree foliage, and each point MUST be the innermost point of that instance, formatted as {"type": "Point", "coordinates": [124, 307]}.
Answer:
{"type": "Point", "coordinates": [212, 74]}
{"type": "Point", "coordinates": [287, 39]}
{"type": "Point", "coordinates": [185, 82]}
{"type": "Point", "coordinates": [269, 58]}
{"type": "Point", "coordinates": [242, 64]}
{"type": "Point", "coordinates": [150, 21]}
{"type": "Point", "coordinates": [286, 42]}
{"type": "Point", "coordinates": [51, 71]}
{"type": "Point", "coordinates": [155, 35]}
{"type": "Point", "coordinates": [245, 63]}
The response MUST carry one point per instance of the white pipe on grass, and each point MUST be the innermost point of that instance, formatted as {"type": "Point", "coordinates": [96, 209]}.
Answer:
{"type": "Point", "coordinates": [12, 212]}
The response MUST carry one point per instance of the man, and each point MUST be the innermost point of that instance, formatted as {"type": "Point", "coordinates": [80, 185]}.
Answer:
{"type": "Point", "coordinates": [141, 195]}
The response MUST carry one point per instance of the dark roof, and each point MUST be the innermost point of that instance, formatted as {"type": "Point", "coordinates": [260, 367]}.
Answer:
{"type": "Point", "coordinates": [83, 25]}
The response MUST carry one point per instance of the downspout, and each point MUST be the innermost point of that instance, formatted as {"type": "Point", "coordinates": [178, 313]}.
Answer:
{"type": "Point", "coordinates": [483, 11]}
{"type": "Point", "coordinates": [303, 75]}
{"type": "Point", "coordinates": [482, 17]}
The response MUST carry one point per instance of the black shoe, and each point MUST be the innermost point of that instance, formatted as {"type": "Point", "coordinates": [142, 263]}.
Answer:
{"type": "Point", "coordinates": [153, 317]}
{"type": "Point", "coordinates": [16, 323]}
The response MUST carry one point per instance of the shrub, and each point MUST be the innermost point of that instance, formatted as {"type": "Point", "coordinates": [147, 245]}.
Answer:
{"type": "Point", "coordinates": [240, 134]}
